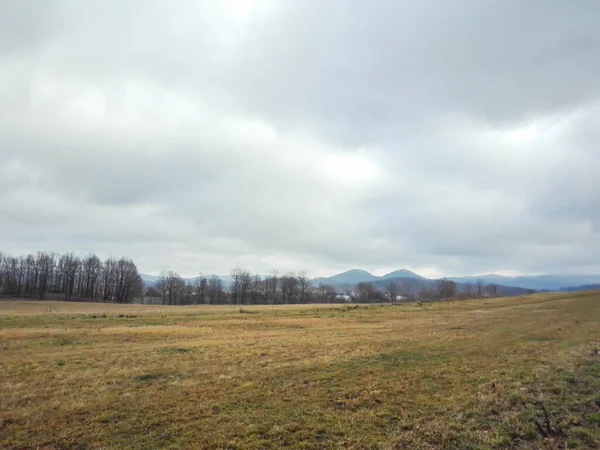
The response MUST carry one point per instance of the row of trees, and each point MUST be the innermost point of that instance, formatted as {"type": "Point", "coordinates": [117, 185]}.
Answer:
{"type": "Point", "coordinates": [289, 288]}
{"type": "Point", "coordinates": [245, 289]}
{"type": "Point", "coordinates": [173, 289]}
{"type": "Point", "coordinates": [368, 293]}
{"type": "Point", "coordinates": [50, 275]}
{"type": "Point", "coordinates": [249, 289]}
{"type": "Point", "coordinates": [429, 291]}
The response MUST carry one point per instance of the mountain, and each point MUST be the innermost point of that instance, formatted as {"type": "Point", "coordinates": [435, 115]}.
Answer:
{"type": "Point", "coordinates": [353, 276]}
{"type": "Point", "coordinates": [402, 273]}
{"type": "Point", "coordinates": [585, 287]}
{"type": "Point", "coordinates": [414, 285]}
{"type": "Point", "coordinates": [149, 280]}
{"type": "Point", "coordinates": [506, 284]}
{"type": "Point", "coordinates": [537, 282]}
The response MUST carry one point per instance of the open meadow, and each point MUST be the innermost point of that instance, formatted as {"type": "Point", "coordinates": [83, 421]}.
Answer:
{"type": "Point", "coordinates": [471, 374]}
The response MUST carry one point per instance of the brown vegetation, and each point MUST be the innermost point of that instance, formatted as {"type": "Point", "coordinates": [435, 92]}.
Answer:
{"type": "Point", "coordinates": [469, 374]}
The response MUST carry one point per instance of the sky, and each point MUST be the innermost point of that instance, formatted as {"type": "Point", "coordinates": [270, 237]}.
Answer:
{"type": "Point", "coordinates": [450, 138]}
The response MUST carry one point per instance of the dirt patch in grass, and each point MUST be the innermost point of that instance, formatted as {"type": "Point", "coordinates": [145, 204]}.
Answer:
{"type": "Point", "coordinates": [174, 351]}
{"type": "Point", "coordinates": [148, 377]}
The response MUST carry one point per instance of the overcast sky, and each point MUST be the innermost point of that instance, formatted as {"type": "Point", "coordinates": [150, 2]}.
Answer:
{"type": "Point", "coordinates": [447, 137]}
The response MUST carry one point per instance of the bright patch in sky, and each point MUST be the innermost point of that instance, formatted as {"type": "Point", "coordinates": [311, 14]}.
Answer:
{"type": "Point", "coordinates": [350, 169]}
{"type": "Point", "coordinates": [523, 135]}
{"type": "Point", "coordinates": [242, 9]}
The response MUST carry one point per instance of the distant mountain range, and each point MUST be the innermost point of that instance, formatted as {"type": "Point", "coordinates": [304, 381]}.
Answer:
{"type": "Point", "coordinates": [357, 276]}
{"type": "Point", "coordinates": [585, 287]}
{"type": "Point", "coordinates": [536, 282]}
{"type": "Point", "coordinates": [509, 285]}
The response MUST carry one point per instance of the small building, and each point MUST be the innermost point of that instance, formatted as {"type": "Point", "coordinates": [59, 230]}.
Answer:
{"type": "Point", "coordinates": [343, 298]}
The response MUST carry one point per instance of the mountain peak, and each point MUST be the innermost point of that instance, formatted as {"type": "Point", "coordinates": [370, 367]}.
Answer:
{"type": "Point", "coordinates": [355, 271]}
{"type": "Point", "coordinates": [352, 276]}
{"type": "Point", "coordinates": [402, 273]}
{"type": "Point", "coordinates": [355, 276]}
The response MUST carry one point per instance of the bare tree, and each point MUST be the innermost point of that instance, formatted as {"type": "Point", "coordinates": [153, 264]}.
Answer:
{"type": "Point", "coordinates": [70, 276]}
{"type": "Point", "coordinates": [45, 263]}
{"type": "Point", "coordinates": [492, 290]}
{"type": "Point", "coordinates": [30, 274]}
{"type": "Point", "coordinates": [189, 292]}
{"type": "Point", "coordinates": [469, 289]}
{"type": "Point", "coordinates": [366, 292]}
{"type": "Point", "coordinates": [176, 287]}
{"type": "Point", "coordinates": [480, 287]}
{"type": "Point", "coordinates": [304, 284]}
{"type": "Point", "coordinates": [289, 287]}
{"type": "Point", "coordinates": [109, 273]}
{"type": "Point", "coordinates": [326, 293]}
{"type": "Point", "coordinates": [240, 285]}
{"type": "Point", "coordinates": [162, 284]}
{"type": "Point", "coordinates": [92, 269]}
{"type": "Point", "coordinates": [446, 288]}
{"type": "Point", "coordinates": [19, 269]}
{"type": "Point", "coordinates": [246, 283]}
{"type": "Point", "coordinates": [236, 285]}
{"type": "Point", "coordinates": [129, 284]}
{"type": "Point", "coordinates": [152, 292]}
{"type": "Point", "coordinates": [392, 291]}
{"type": "Point", "coordinates": [200, 284]}
{"type": "Point", "coordinates": [271, 285]}
{"type": "Point", "coordinates": [171, 286]}
{"type": "Point", "coordinates": [215, 289]}
{"type": "Point", "coordinates": [255, 289]}
{"type": "Point", "coordinates": [70, 264]}
{"type": "Point", "coordinates": [266, 291]}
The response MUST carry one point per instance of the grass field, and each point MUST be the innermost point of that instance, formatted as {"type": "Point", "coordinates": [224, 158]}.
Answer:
{"type": "Point", "coordinates": [456, 375]}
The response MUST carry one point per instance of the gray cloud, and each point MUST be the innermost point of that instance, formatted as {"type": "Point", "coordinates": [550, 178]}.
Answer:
{"type": "Point", "coordinates": [447, 138]}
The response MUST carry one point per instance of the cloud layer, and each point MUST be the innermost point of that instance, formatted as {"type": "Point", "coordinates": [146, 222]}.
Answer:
{"type": "Point", "coordinates": [445, 137]}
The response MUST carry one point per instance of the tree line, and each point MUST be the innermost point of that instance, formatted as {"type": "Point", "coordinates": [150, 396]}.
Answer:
{"type": "Point", "coordinates": [253, 289]}
{"type": "Point", "coordinates": [68, 277]}
{"type": "Point", "coordinates": [244, 289]}
{"type": "Point", "coordinates": [421, 290]}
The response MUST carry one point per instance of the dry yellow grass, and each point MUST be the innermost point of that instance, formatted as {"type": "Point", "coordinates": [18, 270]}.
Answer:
{"type": "Point", "coordinates": [448, 375]}
{"type": "Point", "coordinates": [33, 307]}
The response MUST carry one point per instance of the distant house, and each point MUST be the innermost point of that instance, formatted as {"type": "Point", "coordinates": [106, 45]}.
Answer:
{"type": "Point", "coordinates": [343, 298]}
{"type": "Point", "coordinates": [146, 300]}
